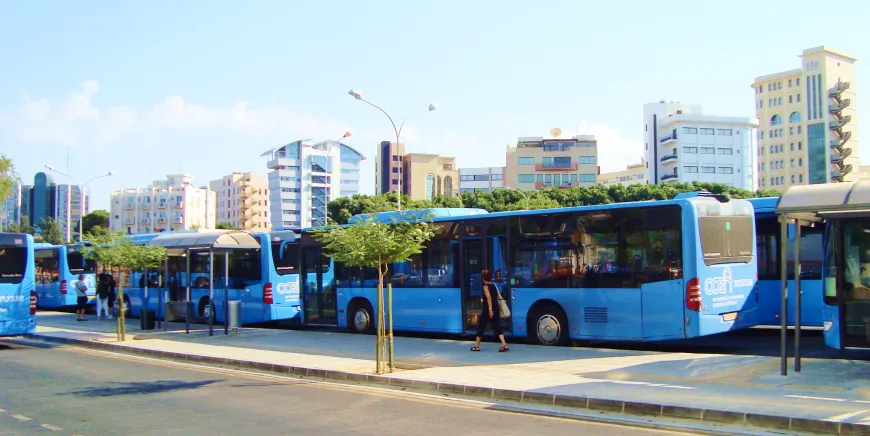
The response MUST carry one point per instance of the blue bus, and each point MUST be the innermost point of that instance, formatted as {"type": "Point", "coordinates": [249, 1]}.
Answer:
{"type": "Point", "coordinates": [640, 271]}
{"type": "Point", "coordinates": [265, 281]}
{"type": "Point", "coordinates": [768, 247]}
{"type": "Point", "coordinates": [17, 279]}
{"type": "Point", "coordinates": [57, 272]}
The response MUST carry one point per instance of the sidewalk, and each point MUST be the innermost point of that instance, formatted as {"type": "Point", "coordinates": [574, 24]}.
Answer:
{"type": "Point", "coordinates": [829, 396]}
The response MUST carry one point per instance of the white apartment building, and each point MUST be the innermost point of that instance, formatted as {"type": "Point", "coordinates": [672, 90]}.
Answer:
{"type": "Point", "coordinates": [631, 175]}
{"type": "Point", "coordinates": [809, 122]}
{"type": "Point", "coordinates": [167, 205]}
{"type": "Point", "coordinates": [481, 179]}
{"type": "Point", "coordinates": [684, 145]}
{"type": "Point", "coordinates": [243, 201]}
{"type": "Point", "coordinates": [305, 176]}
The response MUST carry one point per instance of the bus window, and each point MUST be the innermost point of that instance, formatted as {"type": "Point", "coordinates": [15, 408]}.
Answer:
{"type": "Point", "coordinates": [245, 268]}
{"type": "Point", "coordinates": [726, 239]}
{"type": "Point", "coordinates": [13, 262]}
{"type": "Point", "coordinates": [439, 264]}
{"type": "Point", "coordinates": [767, 244]}
{"type": "Point", "coordinates": [47, 266]}
{"type": "Point", "coordinates": [78, 263]}
{"type": "Point", "coordinates": [408, 274]}
{"type": "Point", "coordinates": [286, 258]}
{"type": "Point", "coordinates": [811, 253]}
{"type": "Point", "coordinates": [856, 253]}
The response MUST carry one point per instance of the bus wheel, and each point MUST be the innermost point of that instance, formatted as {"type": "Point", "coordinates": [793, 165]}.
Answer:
{"type": "Point", "coordinates": [548, 325]}
{"type": "Point", "coordinates": [128, 308]}
{"type": "Point", "coordinates": [363, 320]}
{"type": "Point", "coordinates": [203, 309]}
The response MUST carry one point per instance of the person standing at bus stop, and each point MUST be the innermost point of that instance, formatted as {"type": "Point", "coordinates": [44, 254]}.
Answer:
{"type": "Point", "coordinates": [103, 294]}
{"type": "Point", "coordinates": [81, 298]}
{"type": "Point", "coordinates": [490, 313]}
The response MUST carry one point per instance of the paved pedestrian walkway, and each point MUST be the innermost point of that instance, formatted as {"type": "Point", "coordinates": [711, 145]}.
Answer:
{"type": "Point", "coordinates": [830, 391]}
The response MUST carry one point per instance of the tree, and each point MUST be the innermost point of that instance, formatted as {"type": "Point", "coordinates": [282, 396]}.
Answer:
{"type": "Point", "coordinates": [226, 226]}
{"type": "Point", "coordinates": [114, 250]}
{"type": "Point", "coordinates": [22, 227]}
{"type": "Point", "coordinates": [96, 218]}
{"type": "Point", "coordinates": [373, 244]}
{"type": "Point", "coordinates": [50, 232]}
{"type": "Point", "coordinates": [8, 177]}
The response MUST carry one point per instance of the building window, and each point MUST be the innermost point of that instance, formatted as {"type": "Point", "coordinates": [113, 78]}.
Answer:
{"type": "Point", "coordinates": [573, 178]}
{"type": "Point", "coordinates": [690, 150]}
{"type": "Point", "coordinates": [690, 169]}
{"type": "Point", "coordinates": [797, 82]}
{"type": "Point", "coordinates": [430, 186]}
{"type": "Point", "coordinates": [726, 170]}
{"type": "Point", "coordinates": [790, 99]}
{"type": "Point", "coordinates": [466, 178]}
{"type": "Point", "coordinates": [481, 177]}
{"type": "Point", "coordinates": [800, 161]}
{"type": "Point", "coordinates": [760, 104]}
{"type": "Point", "coordinates": [525, 161]}
{"type": "Point", "coordinates": [725, 151]}
{"type": "Point", "coordinates": [779, 101]}
{"type": "Point", "coordinates": [794, 117]}
{"type": "Point", "coordinates": [586, 160]}
{"type": "Point", "coordinates": [705, 131]}
{"type": "Point", "coordinates": [540, 178]}
{"type": "Point", "coordinates": [547, 160]}
{"type": "Point", "coordinates": [789, 83]}
{"type": "Point", "coordinates": [724, 132]}
{"type": "Point", "coordinates": [708, 150]}
{"type": "Point", "coordinates": [775, 120]}
{"type": "Point", "coordinates": [496, 177]}
{"type": "Point", "coordinates": [762, 134]}
{"type": "Point", "coordinates": [396, 182]}
{"type": "Point", "coordinates": [690, 130]}
{"type": "Point", "coordinates": [708, 170]}
{"type": "Point", "coordinates": [798, 98]}
{"type": "Point", "coordinates": [800, 178]}
{"type": "Point", "coordinates": [526, 178]}
{"type": "Point", "coordinates": [762, 166]}
{"type": "Point", "coordinates": [800, 144]}
{"type": "Point", "coordinates": [792, 163]}
{"type": "Point", "coordinates": [587, 177]}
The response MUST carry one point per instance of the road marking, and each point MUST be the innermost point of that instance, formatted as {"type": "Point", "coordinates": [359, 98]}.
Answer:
{"type": "Point", "coordinates": [861, 401]}
{"type": "Point", "coordinates": [840, 400]}
{"type": "Point", "coordinates": [2, 410]}
{"type": "Point", "coordinates": [22, 418]}
{"type": "Point", "coordinates": [51, 427]}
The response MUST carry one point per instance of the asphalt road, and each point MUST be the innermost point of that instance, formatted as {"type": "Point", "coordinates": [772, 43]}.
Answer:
{"type": "Point", "coordinates": [65, 390]}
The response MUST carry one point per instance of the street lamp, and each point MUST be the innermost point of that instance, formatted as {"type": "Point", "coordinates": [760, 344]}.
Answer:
{"type": "Point", "coordinates": [526, 195]}
{"type": "Point", "coordinates": [81, 198]}
{"type": "Point", "coordinates": [326, 150]}
{"type": "Point", "coordinates": [398, 131]}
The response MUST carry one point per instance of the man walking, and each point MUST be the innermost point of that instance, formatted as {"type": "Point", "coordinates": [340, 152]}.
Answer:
{"type": "Point", "coordinates": [81, 298]}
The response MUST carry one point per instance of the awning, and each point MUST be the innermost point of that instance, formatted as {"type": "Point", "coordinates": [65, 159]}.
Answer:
{"type": "Point", "coordinates": [825, 200]}
{"type": "Point", "coordinates": [217, 241]}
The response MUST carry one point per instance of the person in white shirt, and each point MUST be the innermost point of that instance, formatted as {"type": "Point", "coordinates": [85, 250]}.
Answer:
{"type": "Point", "coordinates": [81, 298]}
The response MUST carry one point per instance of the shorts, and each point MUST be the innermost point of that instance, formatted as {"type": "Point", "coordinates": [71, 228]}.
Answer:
{"type": "Point", "coordinates": [82, 303]}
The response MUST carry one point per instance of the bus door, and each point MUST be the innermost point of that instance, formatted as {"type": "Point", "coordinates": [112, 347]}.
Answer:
{"type": "Point", "coordinates": [470, 264]}
{"type": "Point", "coordinates": [319, 301]}
{"type": "Point", "coordinates": [497, 261]}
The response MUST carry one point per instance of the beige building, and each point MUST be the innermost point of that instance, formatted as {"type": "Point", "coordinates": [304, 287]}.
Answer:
{"type": "Point", "coordinates": [166, 205]}
{"type": "Point", "coordinates": [430, 175]}
{"type": "Point", "coordinates": [632, 174]}
{"type": "Point", "coordinates": [536, 162]}
{"type": "Point", "coordinates": [243, 201]}
{"type": "Point", "coordinates": [808, 127]}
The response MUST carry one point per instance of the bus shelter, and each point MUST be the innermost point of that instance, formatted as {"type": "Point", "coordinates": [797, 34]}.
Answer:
{"type": "Point", "coordinates": [810, 205]}
{"type": "Point", "coordinates": [217, 244]}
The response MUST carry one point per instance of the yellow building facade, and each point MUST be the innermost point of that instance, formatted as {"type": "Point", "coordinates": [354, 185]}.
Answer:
{"type": "Point", "coordinates": [536, 162]}
{"type": "Point", "coordinates": [429, 175]}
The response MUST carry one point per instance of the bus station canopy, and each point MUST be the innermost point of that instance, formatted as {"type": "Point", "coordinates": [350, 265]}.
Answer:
{"type": "Point", "coordinates": [825, 200]}
{"type": "Point", "coordinates": [217, 241]}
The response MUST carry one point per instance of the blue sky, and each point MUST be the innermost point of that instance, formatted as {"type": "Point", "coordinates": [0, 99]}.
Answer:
{"type": "Point", "coordinates": [204, 87]}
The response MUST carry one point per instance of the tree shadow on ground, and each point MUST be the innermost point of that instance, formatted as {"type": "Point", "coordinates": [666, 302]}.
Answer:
{"type": "Point", "coordinates": [141, 388]}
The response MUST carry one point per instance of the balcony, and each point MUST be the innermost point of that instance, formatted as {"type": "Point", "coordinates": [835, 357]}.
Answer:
{"type": "Point", "coordinates": [836, 108]}
{"type": "Point", "coordinates": [839, 124]}
{"type": "Point", "coordinates": [161, 220]}
{"type": "Point", "coordinates": [838, 89]}
{"type": "Point", "coordinates": [839, 155]}
{"type": "Point", "coordinates": [539, 185]}
{"type": "Point", "coordinates": [670, 176]}
{"type": "Point", "coordinates": [130, 221]}
{"type": "Point", "coordinates": [130, 206]}
{"type": "Point", "coordinates": [666, 139]}
{"type": "Point", "coordinates": [161, 205]}
{"type": "Point", "coordinates": [178, 204]}
{"type": "Point", "coordinates": [671, 158]}
{"type": "Point", "coordinates": [556, 167]}
{"type": "Point", "coordinates": [837, 175]}
{"type": "Point", "coordinates": [144, 220]}
{"type": "Point", "coordinates": [177, 220]}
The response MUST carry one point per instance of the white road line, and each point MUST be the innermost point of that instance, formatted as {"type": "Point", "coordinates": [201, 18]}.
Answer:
{"type": "Point", "coordinates": [861, 401]}
{"type": "Point", "coordinates": [845, 416]}
{"type": "Point", "coordinates": [840, 400]}
{"type": "Point", "coordinates": [22, 418]}
{"type": "Point", "coordinates": [51, 427]}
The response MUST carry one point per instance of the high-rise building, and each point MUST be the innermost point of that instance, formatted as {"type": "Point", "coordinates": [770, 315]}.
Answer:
{"type": "Point", "coordinates": [684, 145]}
{"type": "Point", "coordinates": [482, 179]}
{"type": "Point", "coordinates": [631, 175]}
{"type": "Point", "coordinates": [10, 208]}
{"type": "Point", "coordinates": [166, 205]}
{"type": "Point", "coordinates": [536, 162]}
{"type": "Point", "coordinates": [243, 201]}
{"type": "Point", "coordinates": [808, 131]}
{"type": "Point", "coordinates": [389, 167]}
{"type": "Point", "coordinates": [429, 175]}
{"type": "Point", "coordinates": [45, 200]}
{"type": "Point", "coordinates": [305, 176]}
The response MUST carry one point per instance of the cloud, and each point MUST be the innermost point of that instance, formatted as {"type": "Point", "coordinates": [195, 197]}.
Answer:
{"type": "Point", "coordinates": [75, 120]}
{"type": "Point", "coordinates": [614, 151]}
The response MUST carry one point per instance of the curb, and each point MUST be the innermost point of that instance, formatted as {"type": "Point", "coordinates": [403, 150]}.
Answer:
{"type": "Point", "coordinates": [749, 421]}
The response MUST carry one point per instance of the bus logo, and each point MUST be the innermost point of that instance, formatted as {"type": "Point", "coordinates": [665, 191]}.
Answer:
{"type": "Point", "coordinates": [719, 285]}
{"type": "Point", "coordinates": [288, 288]}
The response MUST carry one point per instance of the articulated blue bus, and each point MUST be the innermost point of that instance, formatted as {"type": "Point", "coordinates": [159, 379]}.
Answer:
{"type": "Point", "coordinates": [57, 272]}
{"type": "Point", "coordinates": [17, 279]}
{"type": "Point", "coordinates": [768, 247]}
{"type": "Point", "coordinates": [640, 271]}
{"type": "Point", "coordinates": [265, 281]}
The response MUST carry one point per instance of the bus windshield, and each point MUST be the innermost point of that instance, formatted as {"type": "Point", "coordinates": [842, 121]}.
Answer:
{"type": "Point", "coordinates": [78, 263]}
{"type": "Point", "coordinates": [13, 261]}
{"type": "Point", "coordinates": [286, 259]}
{"type": "Point", "coordinates": [726, 231]}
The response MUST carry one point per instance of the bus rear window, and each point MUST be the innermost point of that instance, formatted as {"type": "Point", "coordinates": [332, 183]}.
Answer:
{"type": "Point", "coordinates": [286, 259]}
{"type": "Point", "coordinates": [726, 239]}
{"type": "Point", "coordinates": [13, 261]}
{"type": "Point", "coordinates": [78, 263]}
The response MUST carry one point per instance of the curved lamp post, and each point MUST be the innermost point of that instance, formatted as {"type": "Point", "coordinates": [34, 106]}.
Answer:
{"type": "Point", "coordinates": [397, 130]}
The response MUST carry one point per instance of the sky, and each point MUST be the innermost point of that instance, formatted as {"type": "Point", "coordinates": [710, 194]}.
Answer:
{"type": "Point", "coordinates": [149, 88]}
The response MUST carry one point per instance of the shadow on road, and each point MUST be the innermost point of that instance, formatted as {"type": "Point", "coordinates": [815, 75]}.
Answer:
{"type": "Point", "coordinates": [141, 388]}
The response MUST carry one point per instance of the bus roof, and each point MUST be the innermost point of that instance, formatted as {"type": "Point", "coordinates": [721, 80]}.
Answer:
{"type": "Point", "coordinates": [764, 205]}
{"type": "Point", "coordinates": [417, 214]}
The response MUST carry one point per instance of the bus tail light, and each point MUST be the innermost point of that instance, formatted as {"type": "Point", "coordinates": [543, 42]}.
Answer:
{"type": "Point", "coordinates": [33, 302]}
{"type": "Point", "coordinates": [63, 287]}
{"type": "Point", "coordinates": [267, 294]}
{"type": "Point", "coordinates": [693, 294]}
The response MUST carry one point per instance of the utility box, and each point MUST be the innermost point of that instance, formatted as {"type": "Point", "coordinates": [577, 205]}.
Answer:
{"type": "Point", "coordinates": [234, 314]}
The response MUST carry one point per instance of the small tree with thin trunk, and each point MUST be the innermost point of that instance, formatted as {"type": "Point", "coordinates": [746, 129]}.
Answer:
{"type": "Point", "coordinates": [372, 244]}
{"type": "Point", "coordinates": [116, 251]}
